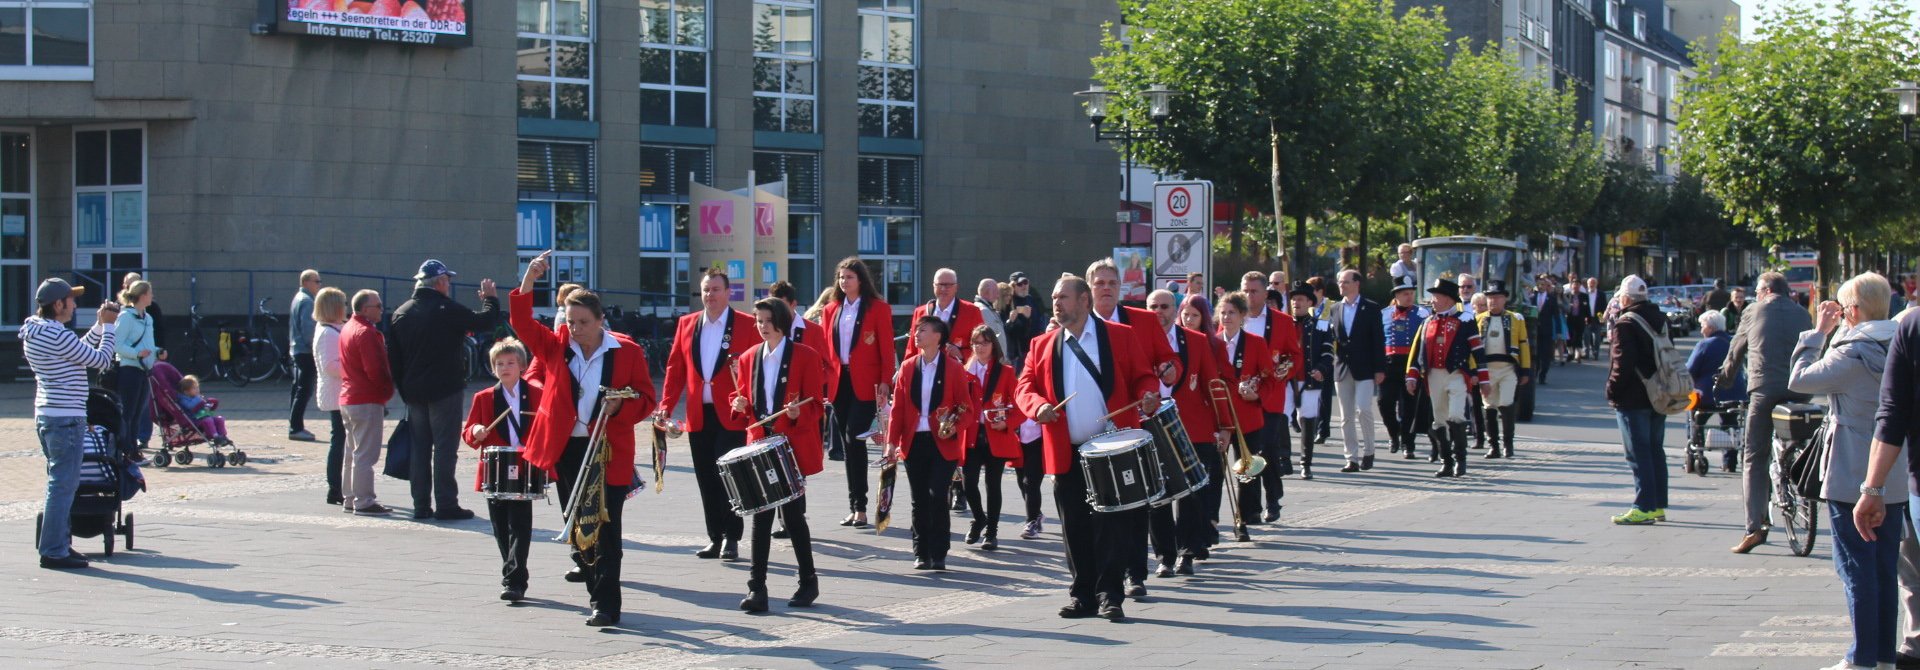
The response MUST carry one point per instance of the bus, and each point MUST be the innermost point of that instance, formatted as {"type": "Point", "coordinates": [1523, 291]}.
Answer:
{"type": "Point", "coordinates": [1799, 271]}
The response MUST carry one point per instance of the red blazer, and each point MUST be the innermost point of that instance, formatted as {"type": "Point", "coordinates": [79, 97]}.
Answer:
{"type": "Point", "coordinates": [1003, 443]}
{"type": "Point", "coordinates": [1254, 359]}
{"type": "Point", "coordinates": [1283, 344]}
{"type": "Point", "coordinates": [1041, 384]}
{"type": "Point", "coordinates": [966, 316]}
{"type": "Point", "coordinates": [1192, 395]}
{"type": "Point", "coordinates": [872, 362]}
{"type": "Point", "coordinates": [684, 365]}
{"type": "Point", "coordinates": [487, 404]}
{"type": "Point", "coordinates": [557, 413]}
{"type": "Point", "coordinates": [815, 337]}
{"type": "Point", "coordinates": [955, 389]}
{"type": "Point", "coordinates": [803, 381]}
{"type": "Point", "coordinates": [1155, 350]}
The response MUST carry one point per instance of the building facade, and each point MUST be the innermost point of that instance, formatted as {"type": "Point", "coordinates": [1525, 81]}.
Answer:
{"type": "Point", "coordinates": [200, 142]}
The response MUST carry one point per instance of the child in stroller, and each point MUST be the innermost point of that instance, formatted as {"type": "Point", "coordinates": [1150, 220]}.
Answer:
{"type": "Point", "coordinates": [200, 408]}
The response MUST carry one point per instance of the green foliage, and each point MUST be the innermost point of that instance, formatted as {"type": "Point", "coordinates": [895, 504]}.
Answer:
{"type": "Point", "coordinates": [1629, 198]}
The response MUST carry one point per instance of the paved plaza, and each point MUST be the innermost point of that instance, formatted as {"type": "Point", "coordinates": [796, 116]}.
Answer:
{"type": "Point", "coordinates": [1514, 566]}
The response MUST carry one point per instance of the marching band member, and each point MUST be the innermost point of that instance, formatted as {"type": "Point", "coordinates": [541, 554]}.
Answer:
{"type": "Point", "coordinates": [1104, 276]}
{"type": "Point", "coordinates": [1075, 375]}
{"type": "Point", "coordinates": [1399, 409]}
{"type": "Point", "coordinates": [928, 424]}
{"type": "Point", "coordinates": [782, 377]}
{"type": "Point", "coordinates": [861, 364]}
{"type": "Point", "coordinates": [579, 360]}
{"type": "Point", "coordinates": [560, 294]}
{"type": "Point", "coordinates": [1446, 353]}
{"type": "Point", "coordinates": [513, 400]}
{"type": "Point", "coordinates": [1316, 361]}
{"type": "Point", "coordinates": [961, 316]}
{"type": "Point", "coordinates": [1509, 361]}
{"type": "Point", "coordinates": [1246, 364]}
{"type": "Point", "coordinates": [810, 334]}
{"type": "Point", "coordinates": [1196, 314]}
{"type": "Point", "coordinates": [997, 441]}
{"type": "Point", "coordinates": [705, 345]}
{"type": "Point", "coordinates": [1180, 530]}
{"type": "Point", "coordinates": [1270, 323]}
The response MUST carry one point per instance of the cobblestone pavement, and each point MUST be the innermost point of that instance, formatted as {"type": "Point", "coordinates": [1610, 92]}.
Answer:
{"type": "Point", "coordinates": [1512, 567]}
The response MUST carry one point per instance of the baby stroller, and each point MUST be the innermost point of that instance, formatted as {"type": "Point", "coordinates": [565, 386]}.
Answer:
{"type": "Point", "coordinates": [107, 478]}
{"type": "Point", "coordinates": [1725, 438]}
{"type": "Point", "coordinates": [179, 432]}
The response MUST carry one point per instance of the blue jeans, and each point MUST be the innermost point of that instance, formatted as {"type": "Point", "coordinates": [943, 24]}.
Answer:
{"type": "Point", "coordinates": [60, 442]}
{"type": "Point", "coordinates": [1644, 433]}
{"type": "Point", "coordinates": [1870, 575]}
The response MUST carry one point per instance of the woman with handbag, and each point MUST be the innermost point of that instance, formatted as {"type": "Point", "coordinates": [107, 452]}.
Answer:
{"type": "Point", "coordinates": [1844, 357]}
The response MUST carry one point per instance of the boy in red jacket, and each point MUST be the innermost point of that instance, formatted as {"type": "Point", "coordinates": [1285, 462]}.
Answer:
{"type": "Point", "coordinates": [502, 416]}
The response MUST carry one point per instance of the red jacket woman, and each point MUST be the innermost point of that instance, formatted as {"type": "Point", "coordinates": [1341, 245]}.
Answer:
{"type": "Point", "coordinates": [799, 380]}
{"type": "Point", "coordinates": [951, 392]}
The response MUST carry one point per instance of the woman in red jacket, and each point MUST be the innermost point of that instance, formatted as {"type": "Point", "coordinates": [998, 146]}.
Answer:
{"type": "Point", "coordinates": [513, 401]}
{"type": "Point", "coordinates": [933, 412]}
{"type": "Point", "coordinates": [859, 353]}
{"type": "Point", "coordinates": [997, 441]}
{"type": "Point", "coordinates": [781, 377]}
{"type": "Point", "coordinates": [1246, 367]}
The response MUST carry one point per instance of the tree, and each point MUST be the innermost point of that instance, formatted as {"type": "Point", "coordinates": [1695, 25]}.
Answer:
{"type": "Point", "coordinates": [1793, 132]}
{"type": "Point", "coordinates": [1629, 198]}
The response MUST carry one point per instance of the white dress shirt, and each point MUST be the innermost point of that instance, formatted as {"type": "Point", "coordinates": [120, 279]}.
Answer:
{"type": "Point", "coordinates": [849, 313]}
{"type": "Point", "coordinates": [1348, 308]}
{"type": "Point", "coordinates": [1257, 325]}
{"type": "Point", "coordinates": [513, 414]}
{"type": "Point", "coordinates": [1088, 404]}
{"type": "Point", "coordinates": [770, 374]}
{"type": "Point", "coordinates": [928, 366]}
{"type": "Point", "coordinates": [585, 367]}
{"type": "Point", "coordinates": [711, 331]}
{"type": "Point", "coordinates": [1173, 340]}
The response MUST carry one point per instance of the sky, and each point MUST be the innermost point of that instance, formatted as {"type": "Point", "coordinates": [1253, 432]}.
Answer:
{"type": "Point", "coordinates": [1754, 12]}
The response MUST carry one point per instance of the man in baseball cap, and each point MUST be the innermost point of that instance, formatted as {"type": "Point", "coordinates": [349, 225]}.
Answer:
{"type": "Point", "coordinates": [433, 268]}
{"type": "Point", "coordinates": [60, 360]}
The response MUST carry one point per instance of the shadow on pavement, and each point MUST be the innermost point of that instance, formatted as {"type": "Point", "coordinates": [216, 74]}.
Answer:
{"type": "Point", "coordinates": [266, 599]}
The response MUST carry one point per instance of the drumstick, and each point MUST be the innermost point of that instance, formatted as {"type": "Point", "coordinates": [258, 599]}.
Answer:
{"type": "Point", "coordinates": [1109, 417]}
{"type": "Point", "coordinates": [498, 419]}
{"type": "Point", "coordinates": [797, 403]}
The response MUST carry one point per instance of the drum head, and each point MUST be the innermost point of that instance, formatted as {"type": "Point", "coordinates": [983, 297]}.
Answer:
{"type": "Point", "coordinates": [1116, 441]}
{"type": "Point", "coordinates": [743, 453]}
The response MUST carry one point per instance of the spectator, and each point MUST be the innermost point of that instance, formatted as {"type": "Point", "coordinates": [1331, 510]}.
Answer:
{"type": "Point", "coordinates": [1580, 316]}
{"type": "Point", "coordinates": [1405, 271]}
{"type": "Point", "coordinates": [1844, 356]}
{"type": "Point", "coordinates": [1196, 284]}
{"type": "Point", "coordinates": [133, 348]}
{"type": "Point", "coordinates": [1641, 429]}
{"type": "Point", "coordinates": [1702, 365]}
{"type": "Point", "coordinates": [330, 311]}
{"type": "Point", "coordinates": [60, 361]}
{"type": "Point", "coordinates": [987, 298]}
{"type": "Point", "coordinates": [366, 384]}
{"type": "Point", "coordinates": [1718, 298]}
{"type": "Point", "coordinates": [300, 343]}
{"type": "Point", "coordinates": [430, 373]}
{"type": "Point", "coordinates": [1468, 287]}
{"type": "Point", "coordinates": [1893, 431]}
{"type": "Point", "coordinates": [153, 312]}
{"type": "Point", "coordinates": [1020, 318]}
{"type": "Point", "coordinates": [1764, 346]}
{"type": "Point", "coordinates": [1546, 321]}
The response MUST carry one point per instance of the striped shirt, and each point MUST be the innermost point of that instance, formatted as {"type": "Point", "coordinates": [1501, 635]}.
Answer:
{"type": "Point", "coordinates": [60, 360]}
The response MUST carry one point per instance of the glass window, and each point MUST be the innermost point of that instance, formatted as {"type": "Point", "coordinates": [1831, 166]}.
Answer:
{"type": "Point", "coordinates": [674, 68]}
{"type": "Point", "coordinates": [889, 182]}
{"type": "Point", "coordinates": [890, 245]}
{"type": "Point", "coordinates": [801, 171]}
{"type": "Point", "coordinates": [783, 66]}
{"type": "Point", "coordinates": [666, 174]}
{"type": "Point", "coordinates": [46, 39]}
{"type": "Point", "coordinates": [888, 61]}
{"type": "Point", "coordinates": [549, 168]}
{"type": "Point", "coordinates": [555, 59]}
{"type": "Point", "coordinates": [109, 201]}
{"type": "Point", "coordinates": [16, 227]}
{"type": "Point", "coordinates": [566, 227]}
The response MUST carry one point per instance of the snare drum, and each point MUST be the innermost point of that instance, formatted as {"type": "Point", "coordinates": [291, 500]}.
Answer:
{"type": "Point", "coordinates": [1121, 470]}
{"type": "Point", "coordinates": [1180, 466]}
{"type": "Point", "coordinates": [506, 475]}
{"type": "Point", "coordinates": [761, 476]}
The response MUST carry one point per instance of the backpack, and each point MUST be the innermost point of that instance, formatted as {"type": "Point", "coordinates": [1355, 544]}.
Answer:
{"type": "Point", "coordinates": [1669, 389]}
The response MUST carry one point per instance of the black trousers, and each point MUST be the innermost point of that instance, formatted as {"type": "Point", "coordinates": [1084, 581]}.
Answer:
{"type": "Point", "coordinates": [929, 475]}
{"type": "Point", "coordinates": [852, 417]}
{"type": "Point", "coordinates": [1095, 545]}
{"type": "Point", "coordinates": [1543, 346]}
{"type": "Point", "coordinates": [980, 460]}
{"type": "Point", "coordinates": [1267, 487]}
{"type": "Point", "coordinates": [1186, 527]}
{"type": "Point", "coordinates": [1273, 444]}
{"type": "Point", "coordinates": [707, 446]}
{"type": "Point", "coordinates": [513, 531]}
{"type": "Point", "coordinates": [603, 577]}
{"type": "Point", "coordinates": [336, 452]}
{"type": "Point", "coordinates": [136, 403]}
{"type": "Point", "coordinates": [1031, 472]}
{"type": "Point", "coordinates": [304, 377]}
{"type": "Point", "coordinates": [793, 516]}
{"type": "Point", "coordinates": [1395, 404]}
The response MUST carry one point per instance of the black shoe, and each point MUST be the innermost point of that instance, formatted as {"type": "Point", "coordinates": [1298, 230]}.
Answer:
{"type": "Point", "coordinates": [1112, 612]}
{"type": "Point", "coordinates": [922, 564]}
{"type": "Point", "coordinates": [512, 595]}
{"type": "Point", "coordinates": [756, 601]}
{"type": "Point", "coordinates": [1445, 471]}
{"type": "Point", "coordinates": [603, 619]}
{"type": "Point", "coordinates": [989, 542]}
{"type": "Point", "coordinates": [1166, 570]}
{"type": "Point", "coordinates": [1366, 462]}
{"type": "Point", "coordinates": [1202, 554]}
{"type": "Point", "coordinates": [1137, 591]}
{"type": "Point", "coordinates": [455, 514]}
{"type": "Point", "coordinates": [973, 533]}
{"type": "Point", "coordinates": [809, 592]}
{"type": "Point", "coordinates": [422, 513]}
{"type": "Point", "coordinates": [1905, 662]}
{"type": "Point", "coordinates": [1273, 514]}
{"type": "Point", "coordinates": [781, 534]}
{"type": "Point", "coordinates": [730, 551]}
{"type": "Point", "coordinates": [68, 562]}
{"type": "Point", "coordinates": [939, 565]}
{"type": "Point", "coordinates": [1306, 472]}
{"type": "Point", "coordinates": [836, 454]}
{"type": "Point", "coordinates": [577, 576]}
{"type": "Point", "coordinates": [1351, 466]}
{"type": "Point", "coordinates": [1186, 566]}
{"type": "Point", "coordinates": [1409, 455]}
{"type": "Point", "coordinates": [1240, 535]}
{"type": "Point", "coordinates": [712, 550]}
{"type": "Point", "coordinates": [333, 499]}
{"type": "Point", "coordinates": [1076, 610]}
{"type": "Point", "coordinates": [849, 520]}
{"type": "Point", "coordinates": [1494, 453]}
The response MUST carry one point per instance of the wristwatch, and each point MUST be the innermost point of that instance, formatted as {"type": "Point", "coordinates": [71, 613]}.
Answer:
{"type": "Point", "coordinates": [1877, 491]}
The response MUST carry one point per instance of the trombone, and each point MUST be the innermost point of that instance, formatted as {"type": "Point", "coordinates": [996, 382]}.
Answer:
{"type": "Point", "coordinates": [581, 528]}
{"type": "Point", "coordinates": [1246, 465]}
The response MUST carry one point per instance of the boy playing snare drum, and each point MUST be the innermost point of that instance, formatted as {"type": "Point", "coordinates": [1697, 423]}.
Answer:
{"type": "Point", "coordinates": [501, 416]}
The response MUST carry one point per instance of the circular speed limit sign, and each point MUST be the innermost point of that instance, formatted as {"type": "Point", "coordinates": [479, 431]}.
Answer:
{"type": "Point", "coordinates": [1179, 201]}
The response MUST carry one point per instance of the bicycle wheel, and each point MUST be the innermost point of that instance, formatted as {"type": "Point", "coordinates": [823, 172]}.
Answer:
{"type": "Point", "coordinates": [257, 362]}
{"type": "Point", "coordinates": [1803, 525]}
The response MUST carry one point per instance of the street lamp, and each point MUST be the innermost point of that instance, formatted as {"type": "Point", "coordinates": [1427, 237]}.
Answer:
{"type": "Point", "coordinates": [1159, 109]}
{"type": "Point", "coordinates": [1908, 95]}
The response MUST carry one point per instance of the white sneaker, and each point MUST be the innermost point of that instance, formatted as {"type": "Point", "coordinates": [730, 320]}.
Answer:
{"type": "Point", "coordinates": [1844, 665]}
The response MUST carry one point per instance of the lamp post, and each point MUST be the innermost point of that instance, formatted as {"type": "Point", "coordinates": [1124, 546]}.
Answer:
{"type": "Point", "coordinates": [1908, 95]}
{"type": "Point", "coordinates": [1159, 108]}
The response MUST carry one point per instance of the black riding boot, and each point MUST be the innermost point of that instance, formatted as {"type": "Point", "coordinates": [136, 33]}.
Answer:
{"type": "Point", "coordinates": [1309, 428]}
{"type": "Point", "coordinates": [1442, 448]}
{"type": "Point", "coordinates": [1506, 427]}
{"type": "Point", "coordinates": [1459, 433]}
{"type": "Point", "coordinates": [1491, 419]}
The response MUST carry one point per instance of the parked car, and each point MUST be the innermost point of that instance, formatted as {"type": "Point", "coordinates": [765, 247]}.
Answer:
{"type": "Point", "coordinates": [1679, 308]}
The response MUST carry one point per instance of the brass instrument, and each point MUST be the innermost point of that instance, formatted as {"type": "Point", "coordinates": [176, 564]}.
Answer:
{"type": "Point", "coordinates": [996, 414]}
{"type": "Point", "coordinates": [665, 424]}
{"type": "Point", "coordinates": [1246, 465]}
{"type": "Point", "coordinates": [1251, 385]}
{"type": "Point", "coordinates": [947, 422]}
{"type": "Point", "coordinates": [587, 508]}
{"type": "Point", "coordinates": [877, 433]}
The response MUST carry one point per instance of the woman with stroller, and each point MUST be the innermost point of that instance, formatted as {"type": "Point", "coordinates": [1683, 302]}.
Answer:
{"type": "Point", "coordinates": [1844, 357]}
{"type": "Point", "coordinates": [133, 351]}
{"type": "Point", "coordinates": [1702, 365]}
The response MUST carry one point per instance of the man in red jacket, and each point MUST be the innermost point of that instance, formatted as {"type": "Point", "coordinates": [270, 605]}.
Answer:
{"type": "Point", "coordinates": [1184, 529]}
{"type": "Point", "coordinates": [1117, 378]}
{"type": "Point", "coordinates": [960, 316]}
{"type": "Point", "coordinates": [1271, 323]}
{"type": "Point", "coordinates": [578, 361]}
{"type": "Point", "coordinates": [705, 345]}
{"type": "Point", "coordinates": [366, 385]}
{"type": "Point", "coordinates": [1104, 277]}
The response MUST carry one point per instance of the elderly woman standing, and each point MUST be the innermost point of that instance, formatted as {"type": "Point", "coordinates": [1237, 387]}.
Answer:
{"type": "Point", "coordinates": [330, 311]}
{"type": "Point", "coordinates": [133, 351]}
{"type": "Point", "coordinates": [1844, 357]}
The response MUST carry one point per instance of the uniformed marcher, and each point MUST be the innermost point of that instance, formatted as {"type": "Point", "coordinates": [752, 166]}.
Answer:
{"type": "Point", "coordinates": [1398, 408]}
{"type": "Point", "coordinates": [1509, 364]}
{"type": "Point", "coordinates": [1446, 355]}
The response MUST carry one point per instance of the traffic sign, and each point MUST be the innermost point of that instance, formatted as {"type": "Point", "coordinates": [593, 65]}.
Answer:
{"type": "Point", "coordinates": [1182, 205]}
{"type": "Point", "coordinates": [1182, 230]}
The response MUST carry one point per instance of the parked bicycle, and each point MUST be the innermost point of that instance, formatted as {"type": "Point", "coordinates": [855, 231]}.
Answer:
{"type": "Point", "coordinates": [257, 357]}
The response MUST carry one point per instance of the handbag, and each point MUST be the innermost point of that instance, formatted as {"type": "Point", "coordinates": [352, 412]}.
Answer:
{"type": "Point", "coordinates": [1807, 471]}
{"type": "Point", "coordinates": [400, 451]}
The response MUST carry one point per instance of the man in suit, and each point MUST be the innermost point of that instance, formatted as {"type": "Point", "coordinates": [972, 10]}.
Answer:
{"type": "Point", "coordinates": [705, 345]}
{"type": "Point", "coordinates": [579, 361]}
{"type": "Point", "coordinates": [1547, 310]}
{"type": "Point", "coordinates": [961, 316]}
{"type": "Point", "coordinates": [1769, 330]}
{"type": "Point", "coordinates": [1076, 374]}
{"type": "Point", "coordinates": [1359, 367]}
